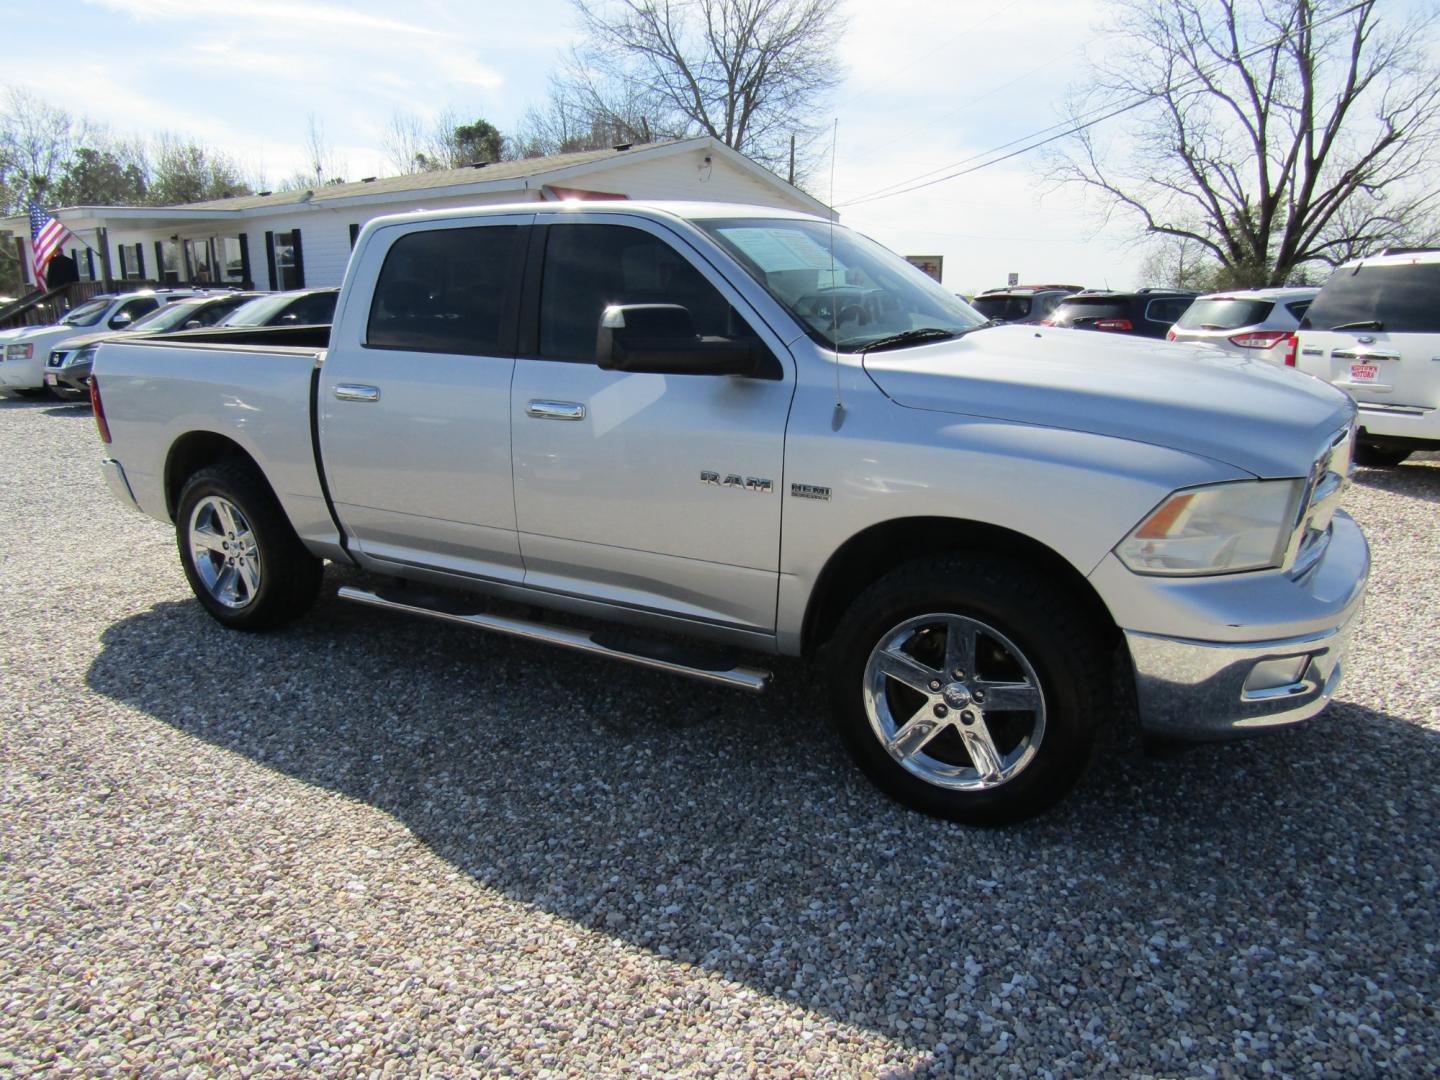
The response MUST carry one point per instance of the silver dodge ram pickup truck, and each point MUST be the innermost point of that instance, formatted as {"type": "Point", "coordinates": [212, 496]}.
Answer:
{"type": "Point", "coordinates": [711, 428]}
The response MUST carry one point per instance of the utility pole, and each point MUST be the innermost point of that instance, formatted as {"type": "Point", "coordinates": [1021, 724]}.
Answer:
{"type": "Point", "coordinates": [792, 159]}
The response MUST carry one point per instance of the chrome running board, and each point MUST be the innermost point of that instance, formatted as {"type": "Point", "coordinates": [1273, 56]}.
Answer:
{"type": "Point", "coordinates": [616, 644]}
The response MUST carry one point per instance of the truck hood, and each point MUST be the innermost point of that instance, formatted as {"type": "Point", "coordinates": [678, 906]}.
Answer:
{"type": "Point", "coordinates": [1268, 420]}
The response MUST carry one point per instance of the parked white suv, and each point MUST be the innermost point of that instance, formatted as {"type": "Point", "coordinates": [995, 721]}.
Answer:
{"type": "Point", "coordinates": [1374, 331]}
{"type": "Point", "coordinates": [1246, 322]}
{"type": "Point", "coordinates": [23, 367]}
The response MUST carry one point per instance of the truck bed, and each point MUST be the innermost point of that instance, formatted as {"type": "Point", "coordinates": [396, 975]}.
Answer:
{"type": "Point", "coordinates": [252, 386]}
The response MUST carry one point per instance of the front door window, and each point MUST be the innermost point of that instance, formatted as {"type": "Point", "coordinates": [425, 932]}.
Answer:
{"type": "Point", "coordinates": [202, 262]}
{"type": "Point", "coordinates": [287, 265]}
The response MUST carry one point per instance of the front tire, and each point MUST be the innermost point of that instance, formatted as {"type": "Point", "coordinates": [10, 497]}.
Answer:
{"type": "Point", "coordinates": [244, 562]}
{"type": "Point", "coordinates": [967, 687]}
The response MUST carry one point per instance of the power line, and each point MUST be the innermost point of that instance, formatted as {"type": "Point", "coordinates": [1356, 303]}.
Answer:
{"type": "Point", "coordinates": [971, 102]}
{"type": "Point", "coordinates": [917, 183]}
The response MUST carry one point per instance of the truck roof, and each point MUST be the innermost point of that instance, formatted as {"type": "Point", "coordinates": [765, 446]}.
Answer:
{"type": "Point", "coordinates": [653, 209]}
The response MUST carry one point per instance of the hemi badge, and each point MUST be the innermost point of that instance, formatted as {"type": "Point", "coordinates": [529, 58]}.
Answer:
{"type": "Point", "coordinates": [809, 491]}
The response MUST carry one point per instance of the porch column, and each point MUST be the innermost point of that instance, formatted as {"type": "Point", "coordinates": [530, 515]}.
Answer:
{"type": "Point", "coordinates": [103, 235]}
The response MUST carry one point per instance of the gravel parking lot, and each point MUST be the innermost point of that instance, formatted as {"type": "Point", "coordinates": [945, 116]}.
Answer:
{"type": "Point", "coordinates": [375, 845]}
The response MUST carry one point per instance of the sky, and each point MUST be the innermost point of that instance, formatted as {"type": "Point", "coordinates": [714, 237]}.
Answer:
{"type": "Point", "coordinates": [928, 84]}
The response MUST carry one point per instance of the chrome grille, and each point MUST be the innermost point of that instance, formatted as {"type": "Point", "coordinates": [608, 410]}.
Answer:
{"type": "Point", "coordinates": [1329, 477]}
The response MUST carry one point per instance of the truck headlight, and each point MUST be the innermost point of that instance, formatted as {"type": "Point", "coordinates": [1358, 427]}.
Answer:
{"type": "Point", "coordinates": [84, 356]}
{"type": "Point", "coordinates": [1218, 529]}
{"type": "Point", "coordinates": [20, 352]}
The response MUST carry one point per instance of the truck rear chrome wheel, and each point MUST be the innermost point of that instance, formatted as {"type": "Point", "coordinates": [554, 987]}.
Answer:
{"type": "Point", "coordinates": [954, 701]}
{"type": "Point", "coordinates": [225, 552]}
{"type": "Point", "coordinates": [241, 556]}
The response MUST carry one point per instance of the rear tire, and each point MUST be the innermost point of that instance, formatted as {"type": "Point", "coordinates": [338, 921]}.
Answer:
{"type": "Point", "coordinates": [967, 687]}
{"type": "Point", "coordinates": [1379, 457]}
{"type": "Point", "coordinates": [244, 562]}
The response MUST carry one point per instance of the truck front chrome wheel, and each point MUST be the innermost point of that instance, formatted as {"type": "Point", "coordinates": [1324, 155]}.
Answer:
{"type": "Point", "coordinates": [967, 685]}
{"type": "Point", "coordinates": [954, 702]}
{"type": "Point", "coordinates": [225, 553]}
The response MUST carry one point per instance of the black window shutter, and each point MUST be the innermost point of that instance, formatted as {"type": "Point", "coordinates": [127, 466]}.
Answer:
{"type": "Point", "coordinates": [299, 260]}
{"type": "Point", "coordinates": [159, 263]}
{"type": "Point", "coordinates": [140, 260]}
{"type": "Point", "coordinates": [90, 262]}
{"type": "Point", "coordinates": [245, 279]}
{"type": "Point", "coordinates": [124, 268]}
{"type": "Point", "coordinates": [270, 257]}
{"type": "Point", "coordinates": [354, 235]}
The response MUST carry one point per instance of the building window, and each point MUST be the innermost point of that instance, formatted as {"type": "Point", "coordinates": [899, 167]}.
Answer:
{"type": "Point", "coordinates": [234, 260]}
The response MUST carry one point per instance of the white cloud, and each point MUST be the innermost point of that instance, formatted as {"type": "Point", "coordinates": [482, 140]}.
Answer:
{"type": "Point", "coordinates": [281, 16]}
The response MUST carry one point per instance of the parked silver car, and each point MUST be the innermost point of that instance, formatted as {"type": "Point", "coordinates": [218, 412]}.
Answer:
{"type": "Point", "coordinates": [1258, 323]}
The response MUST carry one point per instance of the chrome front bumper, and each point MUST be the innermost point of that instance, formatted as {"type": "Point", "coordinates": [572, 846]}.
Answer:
{"type": "Point", "coordinates": [1204, 690]}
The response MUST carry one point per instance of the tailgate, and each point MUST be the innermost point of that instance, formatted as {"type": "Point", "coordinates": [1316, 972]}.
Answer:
{"type": "Point", "coordinates": [1373, 366]}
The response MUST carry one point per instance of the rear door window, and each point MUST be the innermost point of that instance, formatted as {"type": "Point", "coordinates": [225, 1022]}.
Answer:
{"type": "Point", "coordinates": [1224, 313]}
{"type": "Point", "coordinates": [1167, 311]}
{"type": "Point", "coordinates": [313, 310]}
{"type": "Point", "coordinates": [445, 291]}
{"type": "Point", "coordinates": [1004, 308]}
{"type": "Point", "coordinates": [1402, 299]}
{"type": "Point", "coordinates": [1073, 311]}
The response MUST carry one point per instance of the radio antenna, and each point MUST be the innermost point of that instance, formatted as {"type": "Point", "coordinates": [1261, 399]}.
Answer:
{"type": "Point", "coordinates": [838, 417]}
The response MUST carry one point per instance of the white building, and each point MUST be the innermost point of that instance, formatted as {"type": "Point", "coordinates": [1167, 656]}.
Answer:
{"type": "Point", "coordinates": [289, 239]}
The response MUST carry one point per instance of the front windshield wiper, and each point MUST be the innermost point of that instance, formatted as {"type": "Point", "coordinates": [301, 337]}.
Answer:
{"type": "Point", "coordinates": [1363, 324]}
{"type": "Point", "coordinates": [912, 337]}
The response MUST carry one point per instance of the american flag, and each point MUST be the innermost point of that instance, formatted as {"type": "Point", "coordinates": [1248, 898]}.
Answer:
{"type": "Point", "coordinates": [46, 236]}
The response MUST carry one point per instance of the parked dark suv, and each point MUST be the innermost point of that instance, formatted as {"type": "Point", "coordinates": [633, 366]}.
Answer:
{"type": "Point", "coordinates": [1147, 313]}
{"type": "Point", "coordinates": [1021, 303]}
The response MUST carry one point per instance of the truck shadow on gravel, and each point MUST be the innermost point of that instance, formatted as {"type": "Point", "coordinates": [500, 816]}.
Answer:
{"type": "Point", "coordinates": [1417, 478]}
{"type": "Point", "coordinates": [732, 833]}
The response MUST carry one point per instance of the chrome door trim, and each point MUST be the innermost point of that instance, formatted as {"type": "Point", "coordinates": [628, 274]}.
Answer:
{"type": "Point", "coordinates": [1363, 354]}
{"type": "Point", "coordinates": [555, 410]}
{"type": "Point", "coordinates": [356, 392]}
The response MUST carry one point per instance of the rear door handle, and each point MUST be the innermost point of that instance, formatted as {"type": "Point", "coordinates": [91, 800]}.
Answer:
{"type": "Point", "coordinates": [555, 410]}
{"type": "Point", "coordinates": [356, 392]}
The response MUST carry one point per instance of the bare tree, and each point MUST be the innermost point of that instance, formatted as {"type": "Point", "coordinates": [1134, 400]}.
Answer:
{"type": "Point", "coordinates": [1270, 133]}
{"type": "Point", "coordinates": [322, 164]}
{"type": "Point", "coordinates": [36, 142]}
{"type": "Point", "coordinates": [184, 171]}
{"type": "Point", "coordinates": [750, 73]}
{"type": "Point", "coordinates": [581, 114]}
{"type": "Point", "coordinates": [405, 141]}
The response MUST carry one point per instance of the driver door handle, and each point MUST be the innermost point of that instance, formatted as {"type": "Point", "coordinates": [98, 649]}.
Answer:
{"type": "Point", "coordinates": [356, 392]}
{"type": "Point", "coordinates": [555, 410]}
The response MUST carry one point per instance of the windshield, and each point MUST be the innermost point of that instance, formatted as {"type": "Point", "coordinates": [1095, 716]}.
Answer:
{"type": "Point", "coordinates": [848, 297]}
{"type": "Point", "coordinates": [164, 318]}
{"type": "Point", "coordinates": [1224, 313]}
{"type": "Point", "coordinates": [86, 314]}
